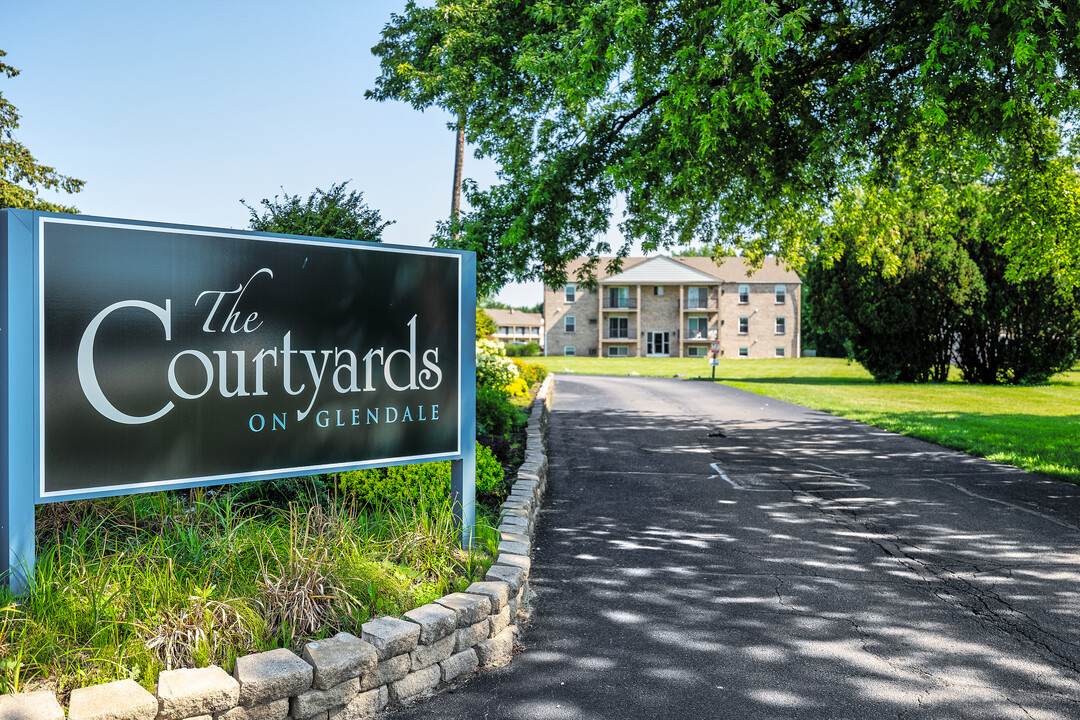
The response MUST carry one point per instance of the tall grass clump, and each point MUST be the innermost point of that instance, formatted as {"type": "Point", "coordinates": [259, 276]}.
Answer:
{"type": "Point", "coordinates": [127, 587]}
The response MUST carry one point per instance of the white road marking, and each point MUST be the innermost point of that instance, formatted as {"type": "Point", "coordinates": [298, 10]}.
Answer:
{"type": "Point", "coordinates": [849, 483]}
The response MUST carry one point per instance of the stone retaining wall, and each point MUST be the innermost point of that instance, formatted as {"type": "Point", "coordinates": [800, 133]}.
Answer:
{"type": "Point", "coordinates": [345, 677]}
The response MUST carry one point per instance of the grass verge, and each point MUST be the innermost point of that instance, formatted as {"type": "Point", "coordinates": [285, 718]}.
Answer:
{"type": "Point", "coordinates": [1034, 427]}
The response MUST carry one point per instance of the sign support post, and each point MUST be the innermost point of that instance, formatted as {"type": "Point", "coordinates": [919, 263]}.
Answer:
{"type": "Point", "coordinates": [463, 471]}
{"type": "Point", "coordinates": [18, 419]}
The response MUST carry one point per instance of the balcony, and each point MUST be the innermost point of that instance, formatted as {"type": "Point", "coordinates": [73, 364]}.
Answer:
{"type": "Point", "coordinates": [694, 335]}
{"type": "Point", "coordinates": [711, 303]}
{"type": "Point", "coordinates": [620, 303]}
{"type": "Point", "coordinates": [626, 333]}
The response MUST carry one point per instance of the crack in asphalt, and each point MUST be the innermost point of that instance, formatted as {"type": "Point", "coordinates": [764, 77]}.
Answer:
{"type": "Point", "coordinates": [939, 571]}
{"type": "Point", "coordinates": [951, 588]}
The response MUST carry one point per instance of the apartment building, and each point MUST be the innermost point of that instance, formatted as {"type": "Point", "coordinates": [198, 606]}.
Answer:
{"type": "Point", "coordinates": [515, 326]}
{"type": "Point", "coordinates": [677, 307]}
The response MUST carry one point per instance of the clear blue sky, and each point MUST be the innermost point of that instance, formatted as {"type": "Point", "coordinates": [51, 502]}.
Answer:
{"type": "Point", "coordinates": [173, 112]}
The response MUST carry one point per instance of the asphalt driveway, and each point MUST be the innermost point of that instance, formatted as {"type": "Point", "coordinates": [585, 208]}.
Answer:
{"type": "Point", "coordinates": [707, 553]}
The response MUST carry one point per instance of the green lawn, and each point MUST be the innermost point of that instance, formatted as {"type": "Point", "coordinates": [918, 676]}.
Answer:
{"type": "Point", "coordinates": [1035, 428]}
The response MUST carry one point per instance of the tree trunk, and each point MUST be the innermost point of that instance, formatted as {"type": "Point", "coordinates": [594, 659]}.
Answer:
{"type": "Point", "coordinates": [459, 159]}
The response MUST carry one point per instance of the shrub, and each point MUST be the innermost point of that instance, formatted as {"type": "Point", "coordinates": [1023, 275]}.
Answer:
{"type": "Point", "coordinates": [532, 373]}
{"type": "Point", "coordinates": [400, 485]}
{"type": "Point", "coordinates": [517, 388]}
{"type": "Point", "coordinates": [489, 473]}
{"type": "Point", "coordinates": [1018, 333]}
{"type": "Point", "coordinates": [499, 446]}
{"type": "Point", "coordinates": [485, 326]}
{"type": "Point", "coordinates": [902, 323]}
{"type": "Point", "coordinates": [522, 350]}
{"type": "Point", "coordinates": [493, 368]}
{"type": "Point", "coordinates": [424, 483]}
{"type": "Point", "coordinates": [495, 414]}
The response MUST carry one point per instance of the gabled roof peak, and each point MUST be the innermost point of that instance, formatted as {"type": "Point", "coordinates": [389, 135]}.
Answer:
{"type": "Point", "coordinates": [660, 270]}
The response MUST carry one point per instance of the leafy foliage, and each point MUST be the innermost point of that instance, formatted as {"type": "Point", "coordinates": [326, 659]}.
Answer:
{"type": "Point", "coordinates": [332, 214]}
{"type": "Point", "coordinates": [1018, 333]}
{"type": "Point", "coordinates": [493, 368]}
{"type": "Point", "coordinates": [934, 267]}
{"type": "Point", "coordinates": [489, 472]}
{"type": "Point", "coordinates": [485, 325]}
{"type": "Point", "coordinates": [713, 122]}
{"type": "Point", "coordinates": [22, 177]}
{"type": "Point", "coordinates": [531, 372]}
{"type": "Point", "coordinates": [495, 414]}
{"type": "Point", "coordinates": [902, 325]}
{"type": "Point", "coordinates": [516, 350]}
{"type": "Point", "coordinates": [426, 483]}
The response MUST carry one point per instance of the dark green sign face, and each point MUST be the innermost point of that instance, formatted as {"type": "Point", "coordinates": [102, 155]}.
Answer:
{"type": "Point", "coordinates": [173, 357]}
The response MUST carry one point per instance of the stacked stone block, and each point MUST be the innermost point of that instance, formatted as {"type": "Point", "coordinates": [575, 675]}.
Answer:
{"type": "Point", "coordinates": [346, 677]}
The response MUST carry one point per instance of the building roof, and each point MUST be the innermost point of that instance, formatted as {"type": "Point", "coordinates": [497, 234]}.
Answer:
{"type": "Point", "coordinates": [693, 269]}
{"type": "Point", "coordinates": [659, 271]}
{"type": "Point", "coordinates": [515, 317]}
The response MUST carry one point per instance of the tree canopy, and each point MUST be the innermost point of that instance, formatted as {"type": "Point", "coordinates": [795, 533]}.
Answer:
{"type": "Point", "coordinates": [22, 177]}
{"type": "Point", "coordinates": [934, 268]}
{"type": "Point", "coordinates": [710, 121]}
{"type": "Point", "coordinates": [332, 214]}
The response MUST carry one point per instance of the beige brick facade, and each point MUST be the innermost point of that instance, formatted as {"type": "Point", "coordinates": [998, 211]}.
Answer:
{"type": "Point", "coordinates": [584, 309]}
{"type": "Point", "coordinates": [635, 319]}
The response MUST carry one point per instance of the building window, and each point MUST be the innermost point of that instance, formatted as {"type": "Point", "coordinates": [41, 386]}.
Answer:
{"type": "Point", "coordinates": [744, 325]}
{"type": "Point", "coordinates": [781, 294]}
{"type": "Point", "coordinates": [698, 328]}
{"type": "Point", "coordinates": [618, 351]}
{"type": "Point", "coordinates": [503, 330]}
{"type": "Point", "coordinates": [571, 292]}
{"type": "Point", "coordinates": [658, 291]}
{"type": "Point", "coordinates": [744, 352]}
{"type": "Point", "coordinates": [618, 327]}
{"type": "Point", "coordinates": [697, 298]}
{"type": "Point", "coordinates": [779, 352]}
{"type": "Point", "coordinates": [744, 294]}
{"type": "Point", "coordinates": [521, 331]}
{"type": "Point", "coordinates": [536, 332]}
{"type": "Point", "coordinates": [569, 324]}
{"type": "Point", "coordinates": [696, 351]}
{"type": "Point", "coordinates": [618, 297]}
{"type": "Point", "coordinates": [781, 326]}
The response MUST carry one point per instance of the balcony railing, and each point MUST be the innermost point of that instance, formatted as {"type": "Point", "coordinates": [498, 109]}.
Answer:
{"type": "Point", "coordinates": [620, 303]}
{"type": "Point", "coordinates": [695, 335]}
{"type": "Point", "coordinates": [710, 303]}
{"type": "Point", "coordinates": [627, 333]}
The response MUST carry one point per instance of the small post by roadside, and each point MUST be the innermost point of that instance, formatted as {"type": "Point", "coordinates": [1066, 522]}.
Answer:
{"type": "Point", "coordinates": [714, 360]}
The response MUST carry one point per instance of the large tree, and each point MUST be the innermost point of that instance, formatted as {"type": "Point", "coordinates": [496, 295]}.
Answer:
{"type": "Point", "coordinates": [711, 120]}
{"type": "Point", "coordinates": [902, 322]}
{"type": "Point", "coordinates": [930, 268]}
{"type": "Point", "coordinates": [22, 177]}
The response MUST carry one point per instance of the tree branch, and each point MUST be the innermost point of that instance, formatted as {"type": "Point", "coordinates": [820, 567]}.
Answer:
{"type": "Point", "coordinates": [623, 120]}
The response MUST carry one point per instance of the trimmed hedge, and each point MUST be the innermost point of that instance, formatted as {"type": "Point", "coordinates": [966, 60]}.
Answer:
{"type": "Point", "coordinates": [424, 483]}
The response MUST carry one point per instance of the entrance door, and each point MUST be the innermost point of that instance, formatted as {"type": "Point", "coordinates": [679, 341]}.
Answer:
{"type": "Point", "coordinates": [657, 344]}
